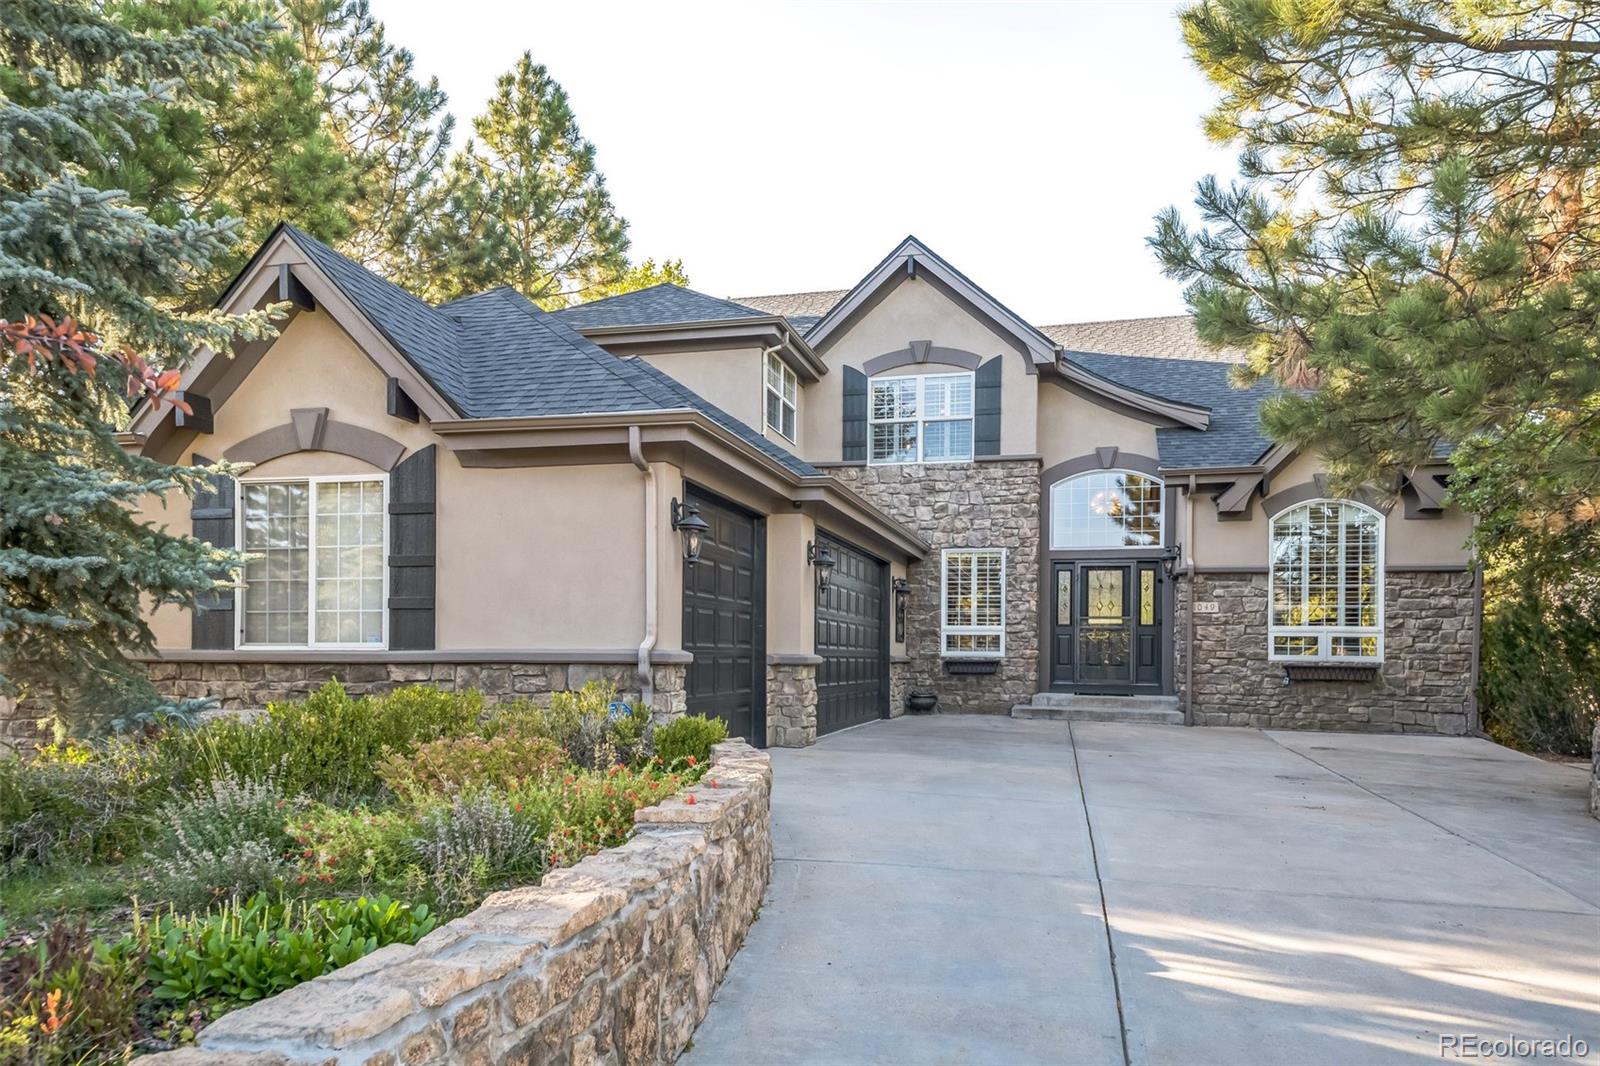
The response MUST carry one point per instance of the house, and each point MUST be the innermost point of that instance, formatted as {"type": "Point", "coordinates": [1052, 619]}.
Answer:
{"type": "Point", "coordinates": [790, 511]}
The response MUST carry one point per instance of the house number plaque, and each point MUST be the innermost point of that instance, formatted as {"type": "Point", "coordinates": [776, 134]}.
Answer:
{"type": "Point", "coordinates": [1206, 607]}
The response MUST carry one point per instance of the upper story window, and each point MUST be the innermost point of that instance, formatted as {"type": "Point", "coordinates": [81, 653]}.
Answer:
{"type": "Point", "coordinates": [1326, 583]}
{"type": "Point", "coordinates": [925, 418]}
{"type": "Point", "coordinates": [783, 394]}
{"type": "Point", "coordinates": [319, 578]}
{"type": "Point", "coordinates": [1106, 509]}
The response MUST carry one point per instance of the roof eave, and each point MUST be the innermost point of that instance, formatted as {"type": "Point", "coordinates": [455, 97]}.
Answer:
{"type": "Point", "coordinates": [1193, 416]}
{"type": "Point", "coordinates": [789, 337]}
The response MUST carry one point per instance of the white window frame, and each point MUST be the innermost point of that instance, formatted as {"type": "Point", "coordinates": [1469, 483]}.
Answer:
{"type": "Point", "coordinates": [947, 630]}
{"type": "Point", "coordinates": [919, 417]}
{"type": "Point", "coordinates": [1324, 634]}
{"type": "Point", "coordinates": [311, 563]}
{"type": "Point", "coordinates": [1161, 527]}
{"type": "Point", "coordinates": [790, 383]}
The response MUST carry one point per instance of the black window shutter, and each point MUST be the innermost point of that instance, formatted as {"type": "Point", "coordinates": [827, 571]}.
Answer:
{"type": "Point", "coordinates": [986, 409]}
{"type": "Point", "coordinates": [412, 550]}
{"type": "Point", "coordinates": [211, 512]}
{"type": "Point", "coordinates": [855, 416]}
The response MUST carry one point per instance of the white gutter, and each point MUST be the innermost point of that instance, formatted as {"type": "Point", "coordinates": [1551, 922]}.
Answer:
{"type": "Point", "coordinates": [647, 688]}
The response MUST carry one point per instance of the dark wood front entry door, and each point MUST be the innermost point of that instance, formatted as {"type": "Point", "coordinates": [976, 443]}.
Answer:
{"type": "Point", "coordinates": [1109, 626]}
{"type": "Point", "coordinates": [724, 604]}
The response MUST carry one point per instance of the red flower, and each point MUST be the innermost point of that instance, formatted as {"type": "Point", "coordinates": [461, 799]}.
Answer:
{"type": "Point", "coordinates": [691, 761]}
{"type": "Point", "coordinates": [689, 798]}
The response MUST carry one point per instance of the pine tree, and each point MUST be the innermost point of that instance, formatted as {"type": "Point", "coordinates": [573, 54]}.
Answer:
{"type": "Point", "coordinates": [77, 89]}
{"type": "Point", "coordinates": [523, 204]}
{"type": "Point", "coordinates": [641, 275]}
{"type": "Point", "coordinates": [1416, 247]}
{"type": "Point", "coordinates": [390, 127]}
{"type": "Point", "coordinates": [252, 143]}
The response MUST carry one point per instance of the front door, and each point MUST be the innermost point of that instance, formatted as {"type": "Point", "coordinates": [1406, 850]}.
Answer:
{"type": "Point", "coordinates": [1109, 627]}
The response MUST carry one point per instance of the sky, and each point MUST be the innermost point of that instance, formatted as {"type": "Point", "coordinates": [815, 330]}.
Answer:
{"type": "Point", "coordinates": [787, 147]}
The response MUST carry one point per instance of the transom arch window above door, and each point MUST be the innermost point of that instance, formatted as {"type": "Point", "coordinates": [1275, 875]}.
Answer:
{"type": "Point", "coordinates": [1325, 590]}
{"type": "Point", "coordinates": [1106, 509]}
{"type": "Point", "coordinates": [920, 418]}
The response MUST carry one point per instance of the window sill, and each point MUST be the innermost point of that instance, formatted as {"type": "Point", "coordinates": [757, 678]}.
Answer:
{"type": "Point", "coordinates": [1330, 671]}
{"type": "Point", "coordinates": [971, 666]}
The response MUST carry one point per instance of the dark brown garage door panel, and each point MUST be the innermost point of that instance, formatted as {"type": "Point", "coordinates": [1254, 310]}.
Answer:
{"type": "Point", "coordinates": [850, 640]}
{"type": "Point", "coordinates": [720, 609]}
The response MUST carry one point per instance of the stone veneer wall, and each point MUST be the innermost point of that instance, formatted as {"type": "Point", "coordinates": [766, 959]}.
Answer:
{"type": "Point", "coordinates": [243, 685]}
{"type": "Point", "coordinates": [1423, 686]}
{"type": "Point", "coordinates": [791, 705]}
{"type": "Point", "coordinates": [899, 686]}
{"type": "Point", "coordinates": [610, 961]}
{"type": "Point", "coordinates": [991, 504]}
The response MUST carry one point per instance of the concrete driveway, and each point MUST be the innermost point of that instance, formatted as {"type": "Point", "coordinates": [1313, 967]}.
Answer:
{"type": "Point", "coordinates": [983, 890]}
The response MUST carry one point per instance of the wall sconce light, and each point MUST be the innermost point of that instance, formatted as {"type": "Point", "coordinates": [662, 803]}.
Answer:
{"type": "Point", "coordinates": [1169, 561]}
{"type": "Point", "coordinates": [823, 560]}
{"type": "Point", "coordinates": [902, 595]}
{"type": "Point", "coordinates": [686, 520]}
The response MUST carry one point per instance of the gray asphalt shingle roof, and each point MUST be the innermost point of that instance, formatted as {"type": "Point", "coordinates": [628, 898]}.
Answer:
{"type": "Point", "coordinates": [496, 355]}
{"type": "Point", "coordinates": [657, 305]}
{"type": "Point", "coordinates": [1234, 437]}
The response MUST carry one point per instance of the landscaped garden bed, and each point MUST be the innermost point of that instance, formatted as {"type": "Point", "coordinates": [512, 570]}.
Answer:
{"type": "Point", "coordinates": [150, 884]}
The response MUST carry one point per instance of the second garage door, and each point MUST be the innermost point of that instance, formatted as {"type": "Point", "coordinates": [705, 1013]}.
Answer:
{"type": "Point", "coordinates": [852, 679]}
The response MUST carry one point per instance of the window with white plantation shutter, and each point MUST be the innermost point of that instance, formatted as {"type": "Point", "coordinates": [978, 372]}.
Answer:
{"type": "Point", "coordinates": [925, 418]}
{"type": "Point", "coordinates": [1326, 594]}
{"type": "Point", "coordinates": [974, 598]}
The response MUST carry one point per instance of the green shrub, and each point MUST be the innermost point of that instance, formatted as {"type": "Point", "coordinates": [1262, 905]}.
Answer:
{"type": "Point", "coordinates": [1540, 677]}
{"type": "Point", "coordinates": [226, 839]}
{"type": "Point", "coordinates": [587, 812]}
{"type": "Point", "coordinates": [327, 745]}
{"type": "Point", "coordinates": [357, 848]}
{"type": "Point", "coordinates": [75, 804]}
{"type": "Point", "coordinates": [245, 951]}
{"type": "Point", "coordinates": [477, 842]}
{"type": "Point", "coordinates": [453, 764]}
{"type": "Point", "coordinates": [689, 737]}
{"type": "Point", "coordinates": [70, 998]}
{"type": "Point", "coordinates": [583, 724]}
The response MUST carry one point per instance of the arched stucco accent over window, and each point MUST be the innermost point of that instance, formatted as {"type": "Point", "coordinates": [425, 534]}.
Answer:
{"type": "Point", "coordinates": [1325, 582]}
{"type": "Point", "coordinates": [308, 430]}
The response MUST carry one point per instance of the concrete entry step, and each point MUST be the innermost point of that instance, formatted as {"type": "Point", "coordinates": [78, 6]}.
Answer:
{"type": "Point", "coordinates": [1070, 707]}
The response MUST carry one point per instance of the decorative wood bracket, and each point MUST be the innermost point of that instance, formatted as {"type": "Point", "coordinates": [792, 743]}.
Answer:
{"type": "Point", "coordinates": [201, 420]}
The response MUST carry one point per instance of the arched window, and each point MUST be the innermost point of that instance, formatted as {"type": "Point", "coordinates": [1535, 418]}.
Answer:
{"type": "Point", "coordinates": [1106, 509]}
{"type": "Point", "coordinates": [1326, 583]}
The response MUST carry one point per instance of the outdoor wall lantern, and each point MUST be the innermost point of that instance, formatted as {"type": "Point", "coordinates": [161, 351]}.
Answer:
{"type": "Point", "coordinates": [902, 595]}
{"type": "Point", "coordinates": [686, 520]}
{"type": "Point", "coordinates": [1169, 561]}
{"type": "Point", "coordinates": [823, 560]}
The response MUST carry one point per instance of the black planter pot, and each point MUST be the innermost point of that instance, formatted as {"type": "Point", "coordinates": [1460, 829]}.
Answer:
{"type": "Point", "coordinates": [922, 701]}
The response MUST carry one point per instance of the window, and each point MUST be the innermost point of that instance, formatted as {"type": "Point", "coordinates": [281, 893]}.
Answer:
{"type": "Point", "coordinates": [1106, 509]}
{"type": "Point", "coordinates": [1327, 583]}
{"type": "Point", "coordinates": [320, 576]}
{"type": "Point", "coordinates": [921, 419]}
{"type": "Point", "coordinates": [974, 602]}
{"type": "Point", "coordinates": [783, 393]}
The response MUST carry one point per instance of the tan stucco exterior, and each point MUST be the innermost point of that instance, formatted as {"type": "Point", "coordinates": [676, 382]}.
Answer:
{"type": "Point", "coordinates": [1409, 543]}
{"type": "Point", "coordinates": [916, 311]}
{"type": "Point", "coordinates": [1072, 425]}
{"type": "Point", "coordinates": [735, 380]}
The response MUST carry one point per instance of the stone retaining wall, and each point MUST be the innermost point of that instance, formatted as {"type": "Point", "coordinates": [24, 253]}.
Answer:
{"type": "Point", "coordinates": [1424, 684]}
{"type": "Point", "coordinates": [993, 504]}
{"type": "Point", "coordinates": [238, 685]}
{"type": "Point", "coordinates": [610, 961]}
{"type": "Point", "coordinates": [1594, 771]}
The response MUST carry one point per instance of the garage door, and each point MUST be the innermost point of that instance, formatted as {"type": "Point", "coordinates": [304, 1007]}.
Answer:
{"type": "Point", "coordinates": [722, 598]}
{"type": "Point", "coordinates": [851, 681]}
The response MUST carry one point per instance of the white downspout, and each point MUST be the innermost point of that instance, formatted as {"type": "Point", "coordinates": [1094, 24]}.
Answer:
{"type": "Point", "coordinates": [647, 687]}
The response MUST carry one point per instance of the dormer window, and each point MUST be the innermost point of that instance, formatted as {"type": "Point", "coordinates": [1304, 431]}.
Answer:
{"type": "Point", "coordinates": [783, 393]}
{"type": "Point", "coordinates": [924, 418]}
